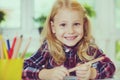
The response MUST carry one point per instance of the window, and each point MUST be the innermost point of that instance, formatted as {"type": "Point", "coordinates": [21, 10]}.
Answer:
{"type": "Point", "coordinates": [42, 7]}
{"type": "Point", "coordinates": [117, 13]}
{"type": "Point", "coordinates": [12, 10]}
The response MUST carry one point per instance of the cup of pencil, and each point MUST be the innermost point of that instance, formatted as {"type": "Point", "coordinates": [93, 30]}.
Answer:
{"type": "Point", "coordinates": [11, 69]}
{"type": "Point", "coordinates": [11, 62]}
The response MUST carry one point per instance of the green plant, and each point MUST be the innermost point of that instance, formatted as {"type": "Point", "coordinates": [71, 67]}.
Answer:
{"type": "Point", "coordinates": [90, 11]}
{"type": "Point", "coordinates": [40, 20]}
{"type": "Point", "coordinates": [117, 47]}
{"type": "Point", "coordinates": [2, 16]}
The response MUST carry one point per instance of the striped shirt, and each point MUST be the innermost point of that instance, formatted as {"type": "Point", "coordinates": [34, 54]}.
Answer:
{"type": "Point", "coordinates": [42, 59]}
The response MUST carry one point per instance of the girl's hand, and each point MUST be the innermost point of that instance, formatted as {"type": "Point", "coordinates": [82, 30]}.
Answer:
{"type": "Point", "coordinates": [83, 72]}
{"type": "Point", "coordinates": [57, 73]}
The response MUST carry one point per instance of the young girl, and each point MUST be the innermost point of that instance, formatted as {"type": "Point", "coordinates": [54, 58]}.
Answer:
{"type": "Point", "coordinates": [66, 43]}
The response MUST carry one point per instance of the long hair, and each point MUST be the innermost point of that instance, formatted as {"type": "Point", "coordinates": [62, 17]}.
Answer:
{"type": "Point", "coordinates": [54, 45]}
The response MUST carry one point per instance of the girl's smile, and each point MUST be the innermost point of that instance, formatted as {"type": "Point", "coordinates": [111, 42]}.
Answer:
{"type": "Point", "coordinates": [70, 38]}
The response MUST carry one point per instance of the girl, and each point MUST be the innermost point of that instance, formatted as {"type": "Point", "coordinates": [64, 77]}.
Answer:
{"type": "Point", "coordinates": [66, 43]}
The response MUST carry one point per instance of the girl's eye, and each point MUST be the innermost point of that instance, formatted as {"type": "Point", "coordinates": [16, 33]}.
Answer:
{"type": "Point", "coordinates": [63, 25]}
{"type": "Point", "coordinates": [76, 24]}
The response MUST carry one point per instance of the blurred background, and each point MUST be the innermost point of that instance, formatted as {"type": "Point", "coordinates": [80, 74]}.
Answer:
{"type": "Point", "coordinates": [25, 17]}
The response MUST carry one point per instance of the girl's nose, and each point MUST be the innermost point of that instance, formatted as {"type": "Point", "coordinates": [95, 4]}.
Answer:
{"type": "Point", "coordinates": [70, 30]}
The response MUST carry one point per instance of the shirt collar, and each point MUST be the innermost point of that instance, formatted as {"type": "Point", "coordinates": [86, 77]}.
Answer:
{"type": "Point", "coordinates": [69, 49]}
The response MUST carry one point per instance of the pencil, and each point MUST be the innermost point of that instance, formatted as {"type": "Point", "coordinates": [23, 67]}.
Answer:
{"type": "Point", "coordinates": [5, 50]}
{"type": "Point", "coordinates": [4, 47]}
{"type": "Point", "coordinates": [17, 47]}
{"type": "Point", "coordinates": [8, 44]}
{"type": "Point", "coordinates": [12, 48]}
{"type": "Point", "coordinates": [1, 50]}
{"type": "Point", "coordinates": [25, 50]}
{"type": "Point", "coordinates": [90, 62]}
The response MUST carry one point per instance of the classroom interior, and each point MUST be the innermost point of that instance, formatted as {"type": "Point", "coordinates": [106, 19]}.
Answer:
{"type": "Point", "coordinates": [21, 19]}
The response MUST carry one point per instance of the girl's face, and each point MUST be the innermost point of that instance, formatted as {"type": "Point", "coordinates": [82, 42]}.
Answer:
{"type": "Point", "coordinates": [68, 26]}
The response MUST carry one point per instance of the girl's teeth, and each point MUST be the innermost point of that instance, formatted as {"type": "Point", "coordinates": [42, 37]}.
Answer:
{"type": "Point", "coordinates": [70, 38]}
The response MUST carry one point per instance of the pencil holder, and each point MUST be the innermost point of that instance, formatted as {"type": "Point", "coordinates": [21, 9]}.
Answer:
{"type": "Point", "coordinates": [11, 69]}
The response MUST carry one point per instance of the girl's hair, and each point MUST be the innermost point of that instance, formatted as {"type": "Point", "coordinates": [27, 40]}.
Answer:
{"type": "Point", "coordinates": [54, 45]}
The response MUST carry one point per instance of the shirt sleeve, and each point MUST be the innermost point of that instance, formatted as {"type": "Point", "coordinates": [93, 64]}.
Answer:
{"type": "Point", "coordinates": [105, 68]}
{"type": "Point", "coordinates": [34, 64]}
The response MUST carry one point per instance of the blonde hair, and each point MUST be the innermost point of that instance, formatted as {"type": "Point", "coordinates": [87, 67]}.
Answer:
{"type": "Point", "coordinates": [54, 45]}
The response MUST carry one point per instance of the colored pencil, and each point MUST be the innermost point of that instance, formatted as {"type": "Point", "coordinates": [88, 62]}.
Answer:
{"type": "Point", "coordinates": [5, 50]}
{"type": "Point", "coordinates": [1, 50]}
{"type": "Point", "coordinates": [5, 53]}
{"type": "Point", "coordinates": [25, 50]}
{"type": "Point", "coordinates": [8, 44]}
{"type": "Point", "coordinates": [12, 48]}
{"type": "Point", "coordinates": [17, 47]}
